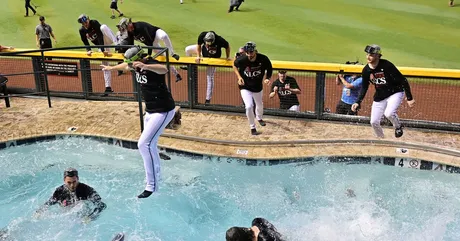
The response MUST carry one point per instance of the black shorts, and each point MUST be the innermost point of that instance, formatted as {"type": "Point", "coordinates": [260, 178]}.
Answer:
{"type": "Point", "coordinates": [45, 43]}
{"type": "Point", "coordinates": [344, 109]}
{"type": "Point", "coordinates": [114, 5]}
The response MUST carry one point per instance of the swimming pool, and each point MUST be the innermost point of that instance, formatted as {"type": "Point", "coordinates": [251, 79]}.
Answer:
{"type": "Point", "coordinates": [200, 198]}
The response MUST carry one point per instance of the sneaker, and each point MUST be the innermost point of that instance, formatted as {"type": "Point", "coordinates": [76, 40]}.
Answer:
{"type": "Point", "coordinates": [112, 17]}
{"type": "Point", "coordinates": [176, 56]}
{"type": "Point", "coordinates": [254, 132]}
{"type": "Point", "coordinates": [262, 122]}
{"type": "Point", "coordinates": [207, 102]}
{"type": "Point", "coordinates": [399, 132]}
{"type": "Point", "coordinates": [145, 194]}
{"type": "Point", "coordinates": [178, 78]}
{"type": "Point", "coordinates": [107, 91]}
{"type": "Point", "coordinates": [121, 15]}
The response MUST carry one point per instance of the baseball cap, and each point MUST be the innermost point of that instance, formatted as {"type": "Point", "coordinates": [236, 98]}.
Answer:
{"type": "Point", "coordinates": [82, 18]}
{"type": "Point", "coordinates": [373, 49]}
{"type": "Point", "coordinates": [70, 172]}
{"type": "Point", "coordinates": [41, 18]}
{"type": "Point", "coordinates": [250, 47]}
{"type": "Point", "coordinates": [123, 23]}
{"type": "Point", "coordinates": [282, 71]}
{"type": "Point", "coordinates": [133, 54]}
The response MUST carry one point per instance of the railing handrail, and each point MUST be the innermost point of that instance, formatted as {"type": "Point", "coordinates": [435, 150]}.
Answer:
{"type": "Point", "coordinates": [288, 65]}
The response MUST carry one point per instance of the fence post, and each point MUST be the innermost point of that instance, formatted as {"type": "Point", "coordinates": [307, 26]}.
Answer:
{"type": "Point", "coordinates": [45, 79]}
{"type": "Point", "coordinates": [192, 74]}
{"type": "Point", "coordinates": [320, 89]}
{"type": "Point", "coordinates": [38, 73]}
{"type": "Point", "coordinates": [86, 82]}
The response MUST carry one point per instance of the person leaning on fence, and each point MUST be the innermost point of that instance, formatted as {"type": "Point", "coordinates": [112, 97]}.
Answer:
{"type": "Point", "coordinates": [287, 89]}
{"type": "Point", "coordinates": [209, 45]}
{"type": "Point", "coordinates": [150, 35]}
{"type": "Point", "coordinates": [350, 92]}
{"type": "Point", "coordinates": [43, 34]}
{"type": "Point", "coordinates": [99, 35]}
{"type": "Point", "coordinates": [390, 86]}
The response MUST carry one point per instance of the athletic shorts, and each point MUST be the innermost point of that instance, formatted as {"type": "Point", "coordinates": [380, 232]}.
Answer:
{"type": "Point", "coordinates": [114, 5]}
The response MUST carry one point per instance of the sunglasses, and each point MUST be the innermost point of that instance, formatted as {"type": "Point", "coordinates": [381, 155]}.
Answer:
{"type": "Point", "coordinates": [70, 173]}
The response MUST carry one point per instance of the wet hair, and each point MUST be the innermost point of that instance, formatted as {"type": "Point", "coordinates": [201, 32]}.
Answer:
{"type": "Point", "coordinates": [239, 234]}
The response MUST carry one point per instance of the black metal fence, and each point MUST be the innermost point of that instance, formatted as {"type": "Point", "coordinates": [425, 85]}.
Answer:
{"type": "Point", "coordinates": [52, 72]}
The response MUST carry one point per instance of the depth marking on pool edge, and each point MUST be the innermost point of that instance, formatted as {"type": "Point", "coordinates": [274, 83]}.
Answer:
{"type": "Point", "coordinates": [242, 152]}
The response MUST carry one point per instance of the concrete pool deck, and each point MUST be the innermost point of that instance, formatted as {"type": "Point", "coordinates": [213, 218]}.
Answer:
{"type": "Point", "coordinates": [225, 134]}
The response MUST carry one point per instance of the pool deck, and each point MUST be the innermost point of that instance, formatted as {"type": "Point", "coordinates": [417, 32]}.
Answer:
{"type": "Point", "coordinates": [225, 134]}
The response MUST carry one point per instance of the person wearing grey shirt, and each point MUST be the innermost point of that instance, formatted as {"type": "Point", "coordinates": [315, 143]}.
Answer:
{"type": "Point", "coordinates": [43, 34]}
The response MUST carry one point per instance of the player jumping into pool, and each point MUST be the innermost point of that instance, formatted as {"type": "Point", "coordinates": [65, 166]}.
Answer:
{"type": "Point", "coordinates": [159, 105]}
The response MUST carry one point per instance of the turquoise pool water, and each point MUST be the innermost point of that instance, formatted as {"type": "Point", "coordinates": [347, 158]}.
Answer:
{"type": "Point", "coordinates": [199, 199]}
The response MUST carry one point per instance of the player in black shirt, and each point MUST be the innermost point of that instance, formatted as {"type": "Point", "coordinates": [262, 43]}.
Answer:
{"type": "Point", "coordinates": [150, 35]}
{"type": "Point", "coordinates": [261, 230]}
{"type": "Point", "coordinates": [287, 89]}
{"type": "Point", "coordinates": [73, 191]}
{"type": "Point", "coordinates": [99, 35]}
{"type": "Point", "coordinates": [250, 70]}
{"type": "Point", "coordinates": [235, 4]}
{"type": "Point", "coordinates": [159, 105]}
{"type": "Point", "coordinates": [390, 86]}
{"type": "Point", "coordinates": [209, 45]}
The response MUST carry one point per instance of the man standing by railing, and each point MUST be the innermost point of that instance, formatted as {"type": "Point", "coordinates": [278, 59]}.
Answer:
{"type": "Point", "coordinates": [287, 89]}
{"type": "Point", "coordinates": [100, 35]}
{"type": "Point", "coordinates": [43, 34]}
{"type": "Point", "coordinates": [250, 70]}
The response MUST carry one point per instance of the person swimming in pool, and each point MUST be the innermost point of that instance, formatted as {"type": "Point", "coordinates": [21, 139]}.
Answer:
{"type": "Point", "coordinates": [261, 230]}
{"type": "Point", "coordinates": [73, 191]}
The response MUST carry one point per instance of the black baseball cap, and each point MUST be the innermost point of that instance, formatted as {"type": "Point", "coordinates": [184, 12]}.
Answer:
{"type": "Point", "coordinates": [70, 172]}
{"type": "Point", "coordinates": [42, 18]}
{"type": "Point", "coordinates": [282, 71]}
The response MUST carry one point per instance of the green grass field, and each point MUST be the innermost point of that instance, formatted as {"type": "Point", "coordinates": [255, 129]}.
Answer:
{"type": "Point", "coordinates": [419, 33]}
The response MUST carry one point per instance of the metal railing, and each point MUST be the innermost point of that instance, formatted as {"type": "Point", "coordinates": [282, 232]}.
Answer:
{"type": "Point", "coordinates": [37, 72]}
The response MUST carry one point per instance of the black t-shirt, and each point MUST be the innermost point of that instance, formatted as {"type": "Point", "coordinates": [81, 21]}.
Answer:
{"type": "Point", "coordinates": [144, 32]}
{"type": "Point", "coordinates": [287, 98]}
{"type": "Point", "coordinates": [268, 231]}
{"type": "Point", "coordinates": [156, 95]}
{"type": "Point", "coordinates": [387, 80]}
{"type": "Point", "coordinates": [93, 33]}
{"type": "Point", "coordinates": [253, 72]}
{"type": "Point", "coordinates": [215, 49]}
{"type": "Point", "coordinates": [65, 197]}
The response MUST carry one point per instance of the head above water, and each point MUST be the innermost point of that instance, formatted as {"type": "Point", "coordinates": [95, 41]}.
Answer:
{"type": "Point", "coordinates": [240, 234]}
{"type": "Point", "coordinates": [71, 178]}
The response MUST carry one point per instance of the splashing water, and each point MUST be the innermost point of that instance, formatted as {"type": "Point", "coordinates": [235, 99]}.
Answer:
{"type": "Point", "coordinates": [199, 199]}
